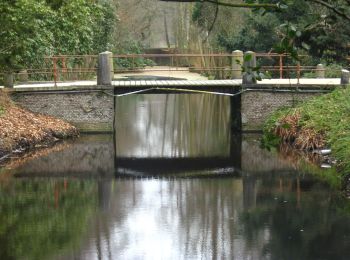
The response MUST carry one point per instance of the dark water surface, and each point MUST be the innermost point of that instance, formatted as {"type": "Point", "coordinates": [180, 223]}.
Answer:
{"type": "Point", "coordinates": [172, 183]}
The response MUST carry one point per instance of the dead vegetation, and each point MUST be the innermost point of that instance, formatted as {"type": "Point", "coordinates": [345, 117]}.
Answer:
{"type": "Point", "coordinates": [289, 130]}
{"type": "Point", "coordinates": [23, 130]}
{"type": "Point", "coordinates": [321, 122]}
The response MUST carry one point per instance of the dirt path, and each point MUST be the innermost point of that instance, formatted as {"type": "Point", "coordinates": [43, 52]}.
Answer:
{"type": "Point", "coordinates": [163, 71]}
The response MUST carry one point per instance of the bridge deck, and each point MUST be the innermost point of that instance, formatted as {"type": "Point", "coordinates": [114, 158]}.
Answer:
{"type": "Point", "coordinates": [175, 83]}
{"type": "Point", "coordinates": [193, 84]}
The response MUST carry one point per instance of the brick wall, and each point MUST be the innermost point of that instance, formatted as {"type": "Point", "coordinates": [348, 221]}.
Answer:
{"type": "Point", "coordinates": [256, 106]}
{"type": "Point", "coordinates": [89, 111]}
{"type": "Point", "coordinates": [93, 110]}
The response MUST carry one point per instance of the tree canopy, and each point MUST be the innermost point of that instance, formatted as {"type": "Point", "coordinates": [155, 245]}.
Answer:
{"type": "Point", "coordinates": [32, 29]}
{"type": "Point", "coordinates": [320, 28]}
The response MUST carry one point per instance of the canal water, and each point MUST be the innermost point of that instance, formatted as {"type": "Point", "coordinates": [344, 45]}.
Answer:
{"type": "Point", "coordinates": [173, 182]}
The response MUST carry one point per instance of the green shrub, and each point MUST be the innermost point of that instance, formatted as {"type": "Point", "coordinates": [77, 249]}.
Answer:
{"type": "Point", "coordinates": [328, 114]}
{"type": "Point", "coordinates": [131, 47]}
{"type": "Point", "coordinates": [333, 71]}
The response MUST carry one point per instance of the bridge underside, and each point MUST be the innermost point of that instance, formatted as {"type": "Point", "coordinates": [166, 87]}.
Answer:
{"type": "Point", "coordinates": [177, 86]}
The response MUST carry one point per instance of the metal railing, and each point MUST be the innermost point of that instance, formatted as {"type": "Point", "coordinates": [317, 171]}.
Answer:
{"type": "Point", "coordinates": [208, 63]}
{"type": "Point", "coordinates": [73, 67]}
{"type": "Point", "coordinates": [61, 68]}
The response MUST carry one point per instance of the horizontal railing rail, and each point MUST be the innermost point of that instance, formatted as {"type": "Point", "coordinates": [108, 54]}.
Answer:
{"type": "Point", "coordinates": [61, 68]}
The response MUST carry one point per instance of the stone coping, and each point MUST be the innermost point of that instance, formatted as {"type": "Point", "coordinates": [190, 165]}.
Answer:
{"type": "Point", "coordinates": [92, 85]}
{"type": "Point", "coordinates": [59, 88]}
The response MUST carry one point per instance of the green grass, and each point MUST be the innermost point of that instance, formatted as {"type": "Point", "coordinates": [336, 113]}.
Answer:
{"type": "Point", "coordinates": [328, 114]}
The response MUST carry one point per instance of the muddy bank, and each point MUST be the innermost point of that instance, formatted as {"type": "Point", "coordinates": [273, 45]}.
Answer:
{"type": "Point", "coordinates": [21, 130]}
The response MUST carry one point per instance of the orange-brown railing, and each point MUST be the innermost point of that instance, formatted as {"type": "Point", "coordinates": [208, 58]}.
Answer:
{"type": "Point", "coordinates": [62, 68]}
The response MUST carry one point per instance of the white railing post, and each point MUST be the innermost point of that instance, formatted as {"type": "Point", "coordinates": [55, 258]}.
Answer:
{"type": "Point", "coordinates": [345, 74]}
{"type": "Point", "coordinates": [237, 62]}
{"type": "Point", "coordinates": [249, 64]}
{"type": "Point", "coordinates": [320, 71]}
{"type": "Point", "coordinates": [105, 69]}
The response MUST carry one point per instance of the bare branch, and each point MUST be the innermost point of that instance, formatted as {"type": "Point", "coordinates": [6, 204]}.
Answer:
{"type": "Point", "coordinates": [332, 8]}
{"type": "Point", "coordinates": [213, 23]}
{"type": "Point", "coordinates": [273, 6]}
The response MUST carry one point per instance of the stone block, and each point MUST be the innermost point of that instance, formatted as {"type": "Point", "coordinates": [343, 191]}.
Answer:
{"type": "Point", "coordinates": [105, 68]}
{"type": "Point", "coordinates": [237, 55]}
{"type": "Point", "coordinates": [320, 71]}
{"type": "Point", "coordinates": [249, 64]}
{"type": "Point", "coordinates": [345, 74]}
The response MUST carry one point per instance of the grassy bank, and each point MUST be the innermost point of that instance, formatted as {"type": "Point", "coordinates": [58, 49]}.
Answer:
{"type": "Point", "coordinates": [321, 122]}
{"type": "Point", "coordinates": [22, 130]}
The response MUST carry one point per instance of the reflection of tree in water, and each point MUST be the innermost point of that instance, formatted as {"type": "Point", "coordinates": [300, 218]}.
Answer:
{"type": "Point", "coordinates": [303, 220]}
{"type": "Point", "coordinates": [116, 201]}
{"type": "Point", "coordinates": [40, 218]}
{"type": "Point", "coordinates": [173, 125]}
{"type": "Point", "coordinates": [208, 213]}
{"type": "Point", "coordinates": [281, 217]}
{"type": "Point", "coordinates": [196, 217]}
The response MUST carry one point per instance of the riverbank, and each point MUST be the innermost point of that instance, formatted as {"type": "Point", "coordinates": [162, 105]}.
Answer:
{"type": "Point", "coordinates": [322, 122]}
{"type": "Point", "coordinates": [22, 130]}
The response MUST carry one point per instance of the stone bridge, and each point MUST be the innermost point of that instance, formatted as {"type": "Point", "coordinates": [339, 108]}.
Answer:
{"type": "Point", "coordinates": [91, 108]}
{"type": "Point", "coordinates": [90, 105]}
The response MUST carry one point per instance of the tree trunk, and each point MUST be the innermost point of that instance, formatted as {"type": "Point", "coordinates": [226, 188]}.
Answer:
{"type": "Point", "coordinates": [166, 30]}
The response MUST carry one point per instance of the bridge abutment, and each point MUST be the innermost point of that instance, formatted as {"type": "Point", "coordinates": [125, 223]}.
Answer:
{"type": "Point", "coordinates": [258, 103]}
{"type": "Point", "coordinates": [89, 109]}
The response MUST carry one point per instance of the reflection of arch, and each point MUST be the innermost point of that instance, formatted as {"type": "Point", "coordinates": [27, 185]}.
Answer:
{"type": "Point", "coordinates": [220, 166]}
{"type": "Point", "coordinates": [165, 166]}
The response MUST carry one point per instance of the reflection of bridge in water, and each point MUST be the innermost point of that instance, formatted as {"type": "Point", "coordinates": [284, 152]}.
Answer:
{"type": "Point", "coordinates": [94, 156]}
{"type": "Point", "coordinates": [227, 164]}
{"type": "Point", "coordinates": [219, 166]}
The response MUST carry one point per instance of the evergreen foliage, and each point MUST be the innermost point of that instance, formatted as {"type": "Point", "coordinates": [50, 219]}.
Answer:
{"type": "Point", "coordinates": [32, 29]}
{"type": "Point", "coordinates": [321, 32]}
